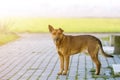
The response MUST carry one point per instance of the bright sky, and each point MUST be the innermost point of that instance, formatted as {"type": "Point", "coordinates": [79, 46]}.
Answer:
{"type": "Point", "coordinates": [60, 8]}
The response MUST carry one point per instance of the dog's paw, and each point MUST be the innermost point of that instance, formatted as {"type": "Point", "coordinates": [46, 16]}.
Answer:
{"type": "Point", "coordinates": [64, 73]}
{"type": "Point", "coordinates": [59, 73]}
{"type": "Point", "coordinates": [96, 73]}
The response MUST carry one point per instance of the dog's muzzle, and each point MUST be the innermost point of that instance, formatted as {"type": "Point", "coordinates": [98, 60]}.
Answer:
{"type": "Point", "coordinates": [56, 39]}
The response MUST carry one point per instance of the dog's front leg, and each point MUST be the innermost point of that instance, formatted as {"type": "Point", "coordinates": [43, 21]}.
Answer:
{"type": "Point", "coordinates": [61, 63]}
{"type": "Point", "coordinates": [67, 58]}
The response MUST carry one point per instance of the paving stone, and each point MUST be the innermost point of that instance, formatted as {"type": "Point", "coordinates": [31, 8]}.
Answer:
{"type": "Point", "coordinates": [110, 61]}
{"type": "Point", "coordinates": [100, 79]}
{"type": "Point", "coordinates": [11, 69]}
{"type": "Point", "coordinates": [45, 77]}
{"type": "Point", "coordinates": [89, 79]}
{"type": "Point", "coordinates": [52, 78]}
{"type": "Point", "coordinates": [116, 59]}
{"type": "Point", "coordinates": [55, 70]}
{"type": "Point", "coordinates": [72, 73]}
{"type": "Point", "coordinates": [103, 61]}
{"type": "Point", "coordinates": [23, 69]}
{"type": "Point", "coordinates": [81, 77]}
{"type": "Point", "coordinates": [36, 75]}
{"type": "Point", "coordinates": [118, 78]}
{"type": "Point", "coordinates": [89, 63]}
{"type": "Point", "coordinates": [47, 71]}
{"type": "Point", "coordinates": [72, 78]}
{"type": "Point", "coordinates": [26, 75]}
{"type": "Point", "coordinates": [110, 79]}
{"type": "Point", "coordinates": [34, 57]}
{"type": "Point", "coordinates": [62, 77]}
{"type": "Point", "coordinates": [88, 75]}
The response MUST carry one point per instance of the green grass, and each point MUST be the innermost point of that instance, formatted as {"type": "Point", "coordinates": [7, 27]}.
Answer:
{"type": "Point", "coordinates": [5, 38]}
{"type": "Point", "coordinates": [68, 24]}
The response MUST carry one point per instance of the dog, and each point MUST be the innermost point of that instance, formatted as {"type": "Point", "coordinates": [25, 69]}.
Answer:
{"type": "Point", "coordinates": [68, 45]}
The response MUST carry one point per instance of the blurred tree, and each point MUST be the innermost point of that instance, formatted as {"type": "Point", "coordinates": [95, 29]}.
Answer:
{"type": "Point", "coordinates": [5, 25]}
{"type": "Point", "coordinates": [117, 44]}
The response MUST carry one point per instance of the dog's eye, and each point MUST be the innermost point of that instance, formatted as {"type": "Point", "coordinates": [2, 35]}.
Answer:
{"type": "Point", "coordinates": [59, 32]}
{"type": "Point", "coordinates": [54, 33]}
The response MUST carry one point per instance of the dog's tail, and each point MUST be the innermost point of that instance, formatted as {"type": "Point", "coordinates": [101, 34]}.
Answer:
{"type": "Point", "coordinates": [102, 51]}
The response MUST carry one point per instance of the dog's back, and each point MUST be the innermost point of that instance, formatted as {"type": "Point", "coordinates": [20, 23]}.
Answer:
{"type": "Point", "coordinates": [76, 44]}
{"type": "Point", "coordinates": [68, 45]}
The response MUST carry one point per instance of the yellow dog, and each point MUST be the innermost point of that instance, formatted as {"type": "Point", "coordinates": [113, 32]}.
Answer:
{"type": "Point", "coordinates": [68, 45]}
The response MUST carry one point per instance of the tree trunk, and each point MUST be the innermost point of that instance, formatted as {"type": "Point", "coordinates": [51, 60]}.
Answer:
{"type": "Point", "coordinates": [117, 45]}
{"type": "Point", "coordinates": [111, 41]}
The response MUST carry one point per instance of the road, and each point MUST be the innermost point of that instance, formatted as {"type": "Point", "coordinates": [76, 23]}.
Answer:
{"type": "Point", "coordinates": [34, 57]}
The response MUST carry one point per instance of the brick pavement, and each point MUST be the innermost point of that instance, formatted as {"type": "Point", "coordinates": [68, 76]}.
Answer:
{"type": "Point", "coordinates": [34, 57]}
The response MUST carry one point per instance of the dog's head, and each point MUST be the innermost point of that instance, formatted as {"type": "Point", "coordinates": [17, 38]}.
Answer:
{"type": "Point", "coordinates": [57, 34]}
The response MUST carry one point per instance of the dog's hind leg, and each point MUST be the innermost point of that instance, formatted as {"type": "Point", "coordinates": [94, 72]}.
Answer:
{"type": "Point", "coordinates": [94, 56]}
{"type": "Point", "coordinates": [97, 63]}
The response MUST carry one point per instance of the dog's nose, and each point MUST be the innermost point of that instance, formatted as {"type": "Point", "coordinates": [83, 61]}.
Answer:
{"type": "Point", "coordinates": [56, 39]}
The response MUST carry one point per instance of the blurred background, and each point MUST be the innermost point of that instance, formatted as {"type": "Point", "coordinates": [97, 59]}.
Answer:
{"type": "Point", "coordinates": [34, 16]}
{"type": "Point", "coordinates": [71, 15]}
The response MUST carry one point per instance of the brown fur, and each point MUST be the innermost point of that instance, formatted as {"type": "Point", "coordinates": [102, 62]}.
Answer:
{"type": "Point", "coordinates": [68, 45]}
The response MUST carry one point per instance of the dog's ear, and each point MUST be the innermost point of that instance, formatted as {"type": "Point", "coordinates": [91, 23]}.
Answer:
{"type": "Point", "coordinates": [61, 30]}
{"type": "Point", "coordinates": [50, 28]}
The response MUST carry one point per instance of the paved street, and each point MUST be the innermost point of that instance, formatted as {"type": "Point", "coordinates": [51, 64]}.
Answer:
{"type": "Point", "coordinates": [34, 57]}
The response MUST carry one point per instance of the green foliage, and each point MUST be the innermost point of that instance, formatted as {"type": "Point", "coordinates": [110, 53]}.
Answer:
{"type": "Point", "coordinates": [5, 38]}
{"type": "Point", "coordinates": [117, 41]}
{"type": "Point", "coordinates": [68, 24]}
{"type": "Point", "coordinates": [106, 38]}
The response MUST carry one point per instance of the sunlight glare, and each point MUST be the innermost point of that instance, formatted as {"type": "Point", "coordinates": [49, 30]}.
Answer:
{"type": "Point", "coordinates": [59, 7]}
